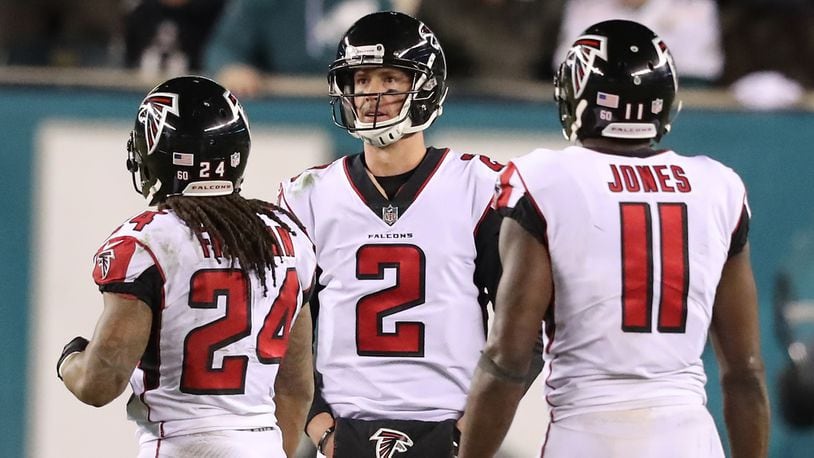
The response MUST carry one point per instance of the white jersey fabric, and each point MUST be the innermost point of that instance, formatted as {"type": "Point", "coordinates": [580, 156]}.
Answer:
{"type": "Point", "coordinates": [232, 443]}
{"type": "Point", "coordinates": [637, 247]}
{"type": "Point", "coordinates": [401, 318]}
{"type": "Point", "coordinates": [217, 339]}
{"type": "Point", "coordinates": [665, 432]}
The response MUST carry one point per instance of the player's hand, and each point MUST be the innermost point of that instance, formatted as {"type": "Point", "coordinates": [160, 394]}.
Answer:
{"type": "Point", "coordinates": [328, 447]}
{"type": "Point", "coordinates": [325, 446]}
{"type": "Point", "coordinates": [456, 436]}
{"type": "Point", "coordinates": [76, 345]}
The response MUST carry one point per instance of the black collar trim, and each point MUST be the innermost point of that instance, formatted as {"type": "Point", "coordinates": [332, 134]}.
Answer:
{"type": "Point", "coordinates": [386, 209]}
{"type": "Point", "coordinates": [640, 152]}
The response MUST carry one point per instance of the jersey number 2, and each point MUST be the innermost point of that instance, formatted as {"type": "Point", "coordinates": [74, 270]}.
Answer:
{"type": "Point", "coordinates": [637, 267]}
{"type": "Point", "coordinates": [198, 374]}
{"type": "Point", "coordinates": [408, 337]}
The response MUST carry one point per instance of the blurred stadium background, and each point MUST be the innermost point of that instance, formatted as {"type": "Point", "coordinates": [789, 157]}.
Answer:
{"type": "Point", "coordinates": [64, 187]}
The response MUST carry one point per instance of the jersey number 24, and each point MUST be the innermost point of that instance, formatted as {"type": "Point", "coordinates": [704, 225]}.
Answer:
{"type": "Point", "coordinates": [198, 374]}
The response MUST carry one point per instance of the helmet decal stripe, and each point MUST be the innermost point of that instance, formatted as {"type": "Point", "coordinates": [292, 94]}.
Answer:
{"type": "Point", "coordinates": [236, 112]}
{"type": "Point", "coordinates": [153, 116]}
{"type": "Point", "coordinates": [581, 59]}
{"type": "Point", "coordinates": [665, 58]}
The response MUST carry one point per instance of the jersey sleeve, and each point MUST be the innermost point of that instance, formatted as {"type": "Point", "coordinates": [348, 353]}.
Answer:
{"type": "Point", "coordinates": [740, 214]}
{"type": "Point", "coordinates": [487, 259]}
{"type": "Point", "coordinates": [512, 200]}
{"type": "Point", "coordinates": [295, 195]}
{"type": "Point", "coordinates": [508, 189]}
{"type": "Point", "coordinates": [125, 265]}
{"type": "Point", "coordinates": [306, 263]}
{"type": "Point", "coordinates": [741, 233]}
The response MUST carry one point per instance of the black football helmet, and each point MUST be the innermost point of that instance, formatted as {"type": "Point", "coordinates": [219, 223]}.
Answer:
{"type": "Point", "coordinates": [389, 39]}
{"type": "Point", "coordinates": [618, 81]}
{"type": "Point", "coordinates": [191, 138]}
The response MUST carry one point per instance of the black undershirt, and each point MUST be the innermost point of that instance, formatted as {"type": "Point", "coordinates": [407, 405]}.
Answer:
{"type": "Point", "coordinates": [392, 184]}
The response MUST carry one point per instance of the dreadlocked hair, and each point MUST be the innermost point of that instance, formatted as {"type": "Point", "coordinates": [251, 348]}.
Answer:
{"type": "Point", "coordinates": [234, 223]}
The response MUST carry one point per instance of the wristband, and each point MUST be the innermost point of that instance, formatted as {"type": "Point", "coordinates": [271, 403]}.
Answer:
{"type": "Point", "coordinates": [76, 345]}
{"type": "Point", "coordinates": [487, 364]}
{"type": "Point", "coordinates": [324, 438]}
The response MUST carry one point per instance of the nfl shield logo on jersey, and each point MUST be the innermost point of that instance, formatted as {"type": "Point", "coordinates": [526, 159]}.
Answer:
{"type": "Point", "coordinates": [390, 214]}
{"type": "Point", "coordinates": [390, 441]}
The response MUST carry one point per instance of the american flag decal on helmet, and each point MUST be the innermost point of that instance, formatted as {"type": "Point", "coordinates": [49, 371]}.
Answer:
{"type": "Point", "coordinates": [581, 59]}
{"type": "Point", "coordinates": [152, 115]}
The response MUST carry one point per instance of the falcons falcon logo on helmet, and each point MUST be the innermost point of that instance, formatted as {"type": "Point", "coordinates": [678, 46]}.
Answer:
{"type": "Point", "coordinates": [390, 441]}
{"type": "Point", "coordinates": [152, 114]}
{"type": "Point", "coordinates": [581, 59]}
{"type": "Point", "coordinates": [665, 58]}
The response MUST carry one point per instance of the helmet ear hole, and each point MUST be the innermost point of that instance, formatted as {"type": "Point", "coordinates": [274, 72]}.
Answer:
{"type": "Point", "coordinates": [132, 166]}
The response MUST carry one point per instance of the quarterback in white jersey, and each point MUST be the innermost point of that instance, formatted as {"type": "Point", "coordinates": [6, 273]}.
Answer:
{"type": "Point", "coordinates": [203, 296]}
{"type": "Point", "coordinates": [406, 245]}
{"type": "Point", "coordinates": [631, 256]}
{"type": "Point", "coordinates": [401, 289]}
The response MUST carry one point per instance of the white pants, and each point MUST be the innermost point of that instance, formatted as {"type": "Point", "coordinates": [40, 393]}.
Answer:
{"type": "Point", "coordinates": [663, 432]}
{"type": "Point", "coordinates": [217, 444]}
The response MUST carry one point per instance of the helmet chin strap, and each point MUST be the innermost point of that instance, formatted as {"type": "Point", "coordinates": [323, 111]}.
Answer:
{"type": "Point", "coordinates": [153, 190]}
{"type": "Point", "coordinates": [581, 106]}
{"type": "Point", "coordinates": [386, 135]}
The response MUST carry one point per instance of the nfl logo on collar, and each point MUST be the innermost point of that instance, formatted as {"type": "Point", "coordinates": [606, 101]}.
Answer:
{"type": "Point", "coordinates": [390, 214]}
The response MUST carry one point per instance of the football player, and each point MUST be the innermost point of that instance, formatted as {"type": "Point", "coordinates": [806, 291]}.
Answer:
{"type": "Point", "coordinates": [406, 247]}
{"type": "Point", "coordinates": [632, 256]}
{"type": "Point", "coordinates": [203, 295]}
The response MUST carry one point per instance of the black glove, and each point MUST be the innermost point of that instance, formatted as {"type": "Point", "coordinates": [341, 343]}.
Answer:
{"type": "Point", "coordinates": [77, 344]}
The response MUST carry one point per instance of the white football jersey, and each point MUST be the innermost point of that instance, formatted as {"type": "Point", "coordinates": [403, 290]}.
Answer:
{"type": "Point", "coordinates": [401, 284]}
{"type": "Point", "coordinates": [637, 247]}
{"type": "Point", "coordinates": [217, 339]}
